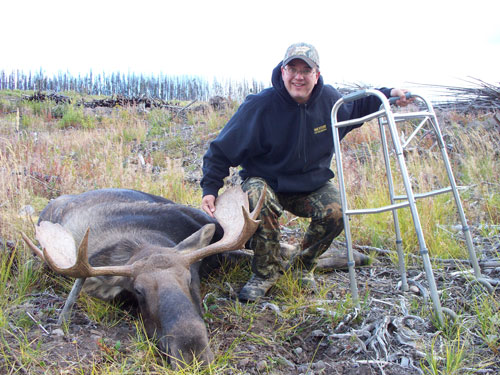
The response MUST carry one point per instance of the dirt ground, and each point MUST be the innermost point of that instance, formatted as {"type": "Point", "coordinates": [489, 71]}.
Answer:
{"type": "Point", "coordinates": [384, 338]}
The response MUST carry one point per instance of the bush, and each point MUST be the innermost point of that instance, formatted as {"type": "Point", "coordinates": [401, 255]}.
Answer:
{"type": "Point", "coordinates": [74, 117]}
{"type": "Point", "coordinates": [160, 122]}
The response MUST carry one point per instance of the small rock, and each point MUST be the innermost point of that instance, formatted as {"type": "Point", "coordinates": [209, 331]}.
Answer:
{"type": "Point", "coordinates": [58, 332]}
{"type": "Point", "coordinates": [271, 306]}
{"type": "Point", "coordinates": [414, 289]}
{"type": "Point", "coordinates": [298, 350]}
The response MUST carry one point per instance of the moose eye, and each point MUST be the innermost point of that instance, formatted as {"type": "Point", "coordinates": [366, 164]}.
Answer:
{"type": "Point", "coordinates": [139, 291]}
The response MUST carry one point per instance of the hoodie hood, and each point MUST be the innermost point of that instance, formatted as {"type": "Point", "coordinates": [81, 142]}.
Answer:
{"type": "Point", "coordinates": [279, 86]}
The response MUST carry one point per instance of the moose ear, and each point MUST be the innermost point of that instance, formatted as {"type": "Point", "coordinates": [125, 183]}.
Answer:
{"type": "Point", "coordinates": [197, 240]}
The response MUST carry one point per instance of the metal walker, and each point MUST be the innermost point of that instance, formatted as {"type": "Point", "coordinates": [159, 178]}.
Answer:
{"type": "Point", "coordinates": [387, 118]}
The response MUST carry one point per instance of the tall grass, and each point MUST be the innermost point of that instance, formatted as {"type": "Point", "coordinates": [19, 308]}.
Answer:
{"type": "Point", "coordinates": [75, 151]}
{"type": "Point", "coordinates": [473, 167]}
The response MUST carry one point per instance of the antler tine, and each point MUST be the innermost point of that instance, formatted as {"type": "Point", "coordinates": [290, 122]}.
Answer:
{"type": "Point", "coordinates": [32, 246]}
{"type": "Point", "coordinates": [237, 228]}
{"type": "Point", "coordinates": [60, 254]}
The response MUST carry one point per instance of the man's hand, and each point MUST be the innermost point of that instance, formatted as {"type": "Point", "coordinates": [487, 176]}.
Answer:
{"type": "Point", "coordinates": [401, 93]}
{"type": "Point", "coordinates": [208, 204]}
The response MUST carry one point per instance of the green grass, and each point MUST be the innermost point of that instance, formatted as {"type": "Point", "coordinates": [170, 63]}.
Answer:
{"type": "Point", "coordinates": [487, 313]}
{"type": "Point", "coordinates": [159, 123]}
{"type": "Point", "coordinates": [450, 362]}
{"type": "Point", "coordinates": [74, 117]}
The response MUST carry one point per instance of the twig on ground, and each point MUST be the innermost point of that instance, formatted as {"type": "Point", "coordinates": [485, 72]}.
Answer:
{"type": "Point", "coordinates": [37, 323]}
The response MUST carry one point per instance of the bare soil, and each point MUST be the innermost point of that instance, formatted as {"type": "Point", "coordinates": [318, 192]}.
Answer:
{"type": "Point", "coordinates": [383, 338]}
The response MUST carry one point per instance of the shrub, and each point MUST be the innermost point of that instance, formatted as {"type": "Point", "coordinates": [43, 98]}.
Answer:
{"type": "Point", "coordinates": [74, 117]}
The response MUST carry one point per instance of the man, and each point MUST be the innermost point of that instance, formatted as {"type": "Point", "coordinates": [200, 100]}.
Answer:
{"type": "Point", "coordinates": [282, 139]}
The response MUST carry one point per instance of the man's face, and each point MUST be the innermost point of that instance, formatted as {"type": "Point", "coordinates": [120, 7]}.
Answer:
{"type": "Point", "coordinates": [299, 79]}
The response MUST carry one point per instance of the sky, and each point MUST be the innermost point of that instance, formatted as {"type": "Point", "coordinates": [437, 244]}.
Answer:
{"type": "Point", "coordinates": [377, 43]}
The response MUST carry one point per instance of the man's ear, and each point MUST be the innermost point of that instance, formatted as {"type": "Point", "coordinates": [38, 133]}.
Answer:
{"type": "Point", "coordinates": [318, 73]}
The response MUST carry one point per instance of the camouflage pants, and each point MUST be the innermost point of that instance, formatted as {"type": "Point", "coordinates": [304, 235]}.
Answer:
{"type": "Point", "coordinates": [321, 206]}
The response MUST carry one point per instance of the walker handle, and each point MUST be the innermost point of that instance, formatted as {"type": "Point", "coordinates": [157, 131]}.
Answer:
{"type": "Point", "coordinates": [354, 96]}
{"type": "Point", "coordinates": [362, 93]}
{"type": "Point", "coordinates": [393, 99]}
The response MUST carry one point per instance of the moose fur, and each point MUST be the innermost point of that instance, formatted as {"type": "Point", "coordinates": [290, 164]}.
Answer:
{"type": "Point", "coordinates": [128, 226]}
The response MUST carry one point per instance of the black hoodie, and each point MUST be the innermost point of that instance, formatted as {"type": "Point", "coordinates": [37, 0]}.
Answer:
{"type": "Point", "coordinates": [288, 144]}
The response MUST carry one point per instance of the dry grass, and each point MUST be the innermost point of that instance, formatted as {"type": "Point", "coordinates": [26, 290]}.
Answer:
{"type": "Point", "coordinates": [156, 153]}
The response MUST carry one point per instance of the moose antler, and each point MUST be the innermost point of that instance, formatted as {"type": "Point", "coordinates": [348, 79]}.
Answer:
{"type": "Point", "coordinates": [232, 213]}
{"type": "Point", "coordinates": [59, 252]}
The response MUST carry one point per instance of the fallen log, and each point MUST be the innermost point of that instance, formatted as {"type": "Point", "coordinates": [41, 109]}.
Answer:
{"type": "Point", "coordinates": [336, 259]}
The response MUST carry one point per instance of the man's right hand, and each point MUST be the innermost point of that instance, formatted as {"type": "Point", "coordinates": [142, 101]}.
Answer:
{"type": "Point", "coordinates": [208, 204]}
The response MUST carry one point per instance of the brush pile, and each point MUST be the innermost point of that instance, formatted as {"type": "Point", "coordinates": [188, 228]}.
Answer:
{"type": "Point", "coordinates": [40, 96]}
{"type": "Point", "coordinates": [142, 101]}
{"type": "Point", "coordinates": [109, 102]}
{"type": "Point", "coordinates": [123, 101]}
{"type": "Point", "coordinates": [479, 96]}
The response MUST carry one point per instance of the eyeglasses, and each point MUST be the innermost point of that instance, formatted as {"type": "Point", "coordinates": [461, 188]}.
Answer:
{"type": "Point", "coordinates": [294, 71]}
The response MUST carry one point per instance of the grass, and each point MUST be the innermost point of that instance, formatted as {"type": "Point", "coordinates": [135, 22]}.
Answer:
{"type": "Point", "coordinates": [453, 361]}
{"type": "Point", "coordinates": [367, 188]}
{"type": "Point", "coordinates": [487, 312]}
{"type": "Point", "coordinates": [65, 150]}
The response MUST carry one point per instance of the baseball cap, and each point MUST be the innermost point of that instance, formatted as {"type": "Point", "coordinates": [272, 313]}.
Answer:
{"type": "Point", "coordinates": [303, 51]}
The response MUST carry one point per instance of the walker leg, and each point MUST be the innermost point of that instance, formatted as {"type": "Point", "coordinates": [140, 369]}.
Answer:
{"type": "Point", "coordinates": [416, 220]}
{"type": "Point", "coordinates": [397, 231]}
{"type": "Point", "coordinates": [347, 228]}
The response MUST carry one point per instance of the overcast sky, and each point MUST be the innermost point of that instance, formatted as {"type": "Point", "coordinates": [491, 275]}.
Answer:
{"type": "Point", "coordinates": [390, 43]}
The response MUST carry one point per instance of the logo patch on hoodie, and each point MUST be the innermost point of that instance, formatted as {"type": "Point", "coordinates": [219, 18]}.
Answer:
{"type": "Point", "coordinates": [320, 129]}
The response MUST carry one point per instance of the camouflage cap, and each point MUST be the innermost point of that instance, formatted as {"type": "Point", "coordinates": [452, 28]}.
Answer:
{"type": "Point", "coordinates": [303, 51]}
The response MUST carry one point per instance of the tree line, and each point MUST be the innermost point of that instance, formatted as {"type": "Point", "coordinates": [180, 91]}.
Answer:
{"type": "Point", "coordinates": [160, 86]}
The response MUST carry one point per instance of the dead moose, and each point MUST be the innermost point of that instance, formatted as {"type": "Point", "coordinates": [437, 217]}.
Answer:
{"type": "Point", "coordinates": [149, 246]}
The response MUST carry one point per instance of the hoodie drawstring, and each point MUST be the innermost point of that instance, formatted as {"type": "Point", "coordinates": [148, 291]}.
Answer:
{"type": "Point", "coordinates": [301, 144]}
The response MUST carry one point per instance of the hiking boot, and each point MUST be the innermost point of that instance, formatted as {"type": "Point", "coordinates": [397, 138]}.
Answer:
{"type": "Point", "coordinates": [257, 287]}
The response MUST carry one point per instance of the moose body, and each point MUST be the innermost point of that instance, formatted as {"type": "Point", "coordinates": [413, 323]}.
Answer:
{"type": "Point", "coordinates": [142, 243]}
